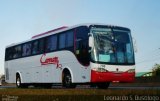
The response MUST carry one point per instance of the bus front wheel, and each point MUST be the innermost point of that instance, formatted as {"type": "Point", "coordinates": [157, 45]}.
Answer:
{"type": "Point", "coordinates": [103, 85]}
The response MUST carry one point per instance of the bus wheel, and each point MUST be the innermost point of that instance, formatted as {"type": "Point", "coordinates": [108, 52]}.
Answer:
{"type": "Point", "coordinates": [18, 82]}
{"type": "Point", "coordinates": [67, 81]}
{"type": "Point", "coordinates": [103, 85]}
{"type": "Point", "coordinates": [47, 86]}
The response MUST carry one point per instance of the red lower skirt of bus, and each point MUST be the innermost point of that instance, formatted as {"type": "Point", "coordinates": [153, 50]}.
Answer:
{"type": "Point", "coordinates": [111, 77]}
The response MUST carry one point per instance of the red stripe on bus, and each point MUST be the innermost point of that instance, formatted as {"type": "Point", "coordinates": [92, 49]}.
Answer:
{"type": "Point", "coordinates": [111, 77]}
{"type": "Point", "coordinates": [57, 29]}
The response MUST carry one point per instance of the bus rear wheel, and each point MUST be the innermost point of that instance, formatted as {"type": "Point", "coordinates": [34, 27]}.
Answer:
{"type": "Point", "coordinates": [19, 83]}
{"type": "Point", "coordinates": [67, 81]}
{"type": "Point", "coordinates": [103, 85]}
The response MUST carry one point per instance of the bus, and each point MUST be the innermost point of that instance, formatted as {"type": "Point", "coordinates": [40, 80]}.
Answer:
{"type": "Point", "coordinates": [94, 54]}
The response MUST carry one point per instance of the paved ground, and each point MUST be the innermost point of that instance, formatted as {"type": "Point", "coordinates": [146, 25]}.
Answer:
{"type": "Point", "coordinates": [88, 87]}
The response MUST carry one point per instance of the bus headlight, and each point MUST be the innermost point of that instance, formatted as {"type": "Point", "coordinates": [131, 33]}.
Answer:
{"type": "Point", "coordinates": [100, 69]}
{"type": "Point", "coordinates": [131, 71]}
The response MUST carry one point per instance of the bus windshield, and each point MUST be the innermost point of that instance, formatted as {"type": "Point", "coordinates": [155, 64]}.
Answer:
{"type": "Point", "coordinates": [112, 46]}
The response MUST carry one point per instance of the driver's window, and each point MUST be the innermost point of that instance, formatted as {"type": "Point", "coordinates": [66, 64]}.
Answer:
{"type": "Point", "coordinates": [81, 49]}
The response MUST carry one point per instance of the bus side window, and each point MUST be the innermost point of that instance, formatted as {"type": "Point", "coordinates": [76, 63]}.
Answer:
{"type": "Point", "coordinates": [62, 39]}
{"type": "Point", "coordinates": [35, 47]}
{"type": "Point", "coordinates": [41, 45]}
{"type": "Point", "coordinates": [69, 39]}
{"type": "Point", "coordinates": [38, 46]}
{"type": "Point", "coordinates": [16, 52]}
{"type": "Point", "coordinates": [26, 49]}
{"type": "Point", "coordinates": [51, 43]}
{"type": "Point", "coordinates": [66, 40]}
{"type": "Point", "coordinates": [9, 53]}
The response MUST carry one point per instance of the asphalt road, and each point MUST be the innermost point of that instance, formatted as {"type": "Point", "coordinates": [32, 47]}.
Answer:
{"type": "Point", "coordinates": [88, 87]}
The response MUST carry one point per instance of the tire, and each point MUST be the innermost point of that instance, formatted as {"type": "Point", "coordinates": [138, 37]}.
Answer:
{"type": "Point", "coordinates": [47, 86]}
{"type": "Point", "coordinates": [103, 85]}
{"type": "Point", "coordinates": [19, 83]}
{"type": "Point", "coordinates": [93, 85]}
{"type": "Point", "coordinates": [67, 81]}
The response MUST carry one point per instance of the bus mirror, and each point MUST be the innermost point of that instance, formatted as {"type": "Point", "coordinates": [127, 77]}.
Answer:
{"type": "Point", "coordinates": [134, 45]}
{"type": "Point", "coordinates": [90, 41]}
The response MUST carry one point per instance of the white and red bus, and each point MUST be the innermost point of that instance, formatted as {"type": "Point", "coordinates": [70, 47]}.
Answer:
{"type": "Point", "coordinates": [84, 54]}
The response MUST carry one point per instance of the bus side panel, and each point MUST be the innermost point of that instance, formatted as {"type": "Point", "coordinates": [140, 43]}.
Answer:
{"type": "Point", "coordinates": [66, 59]}
{"type": "Point", "coordinates": [47, 68]}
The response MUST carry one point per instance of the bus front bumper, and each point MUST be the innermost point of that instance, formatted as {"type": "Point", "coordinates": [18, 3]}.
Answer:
{"type": "Point", "coordinates": [112, 77]}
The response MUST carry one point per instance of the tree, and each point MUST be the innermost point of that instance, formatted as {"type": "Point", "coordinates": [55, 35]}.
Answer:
{"type": "Point", "coordinates": [156, 70]}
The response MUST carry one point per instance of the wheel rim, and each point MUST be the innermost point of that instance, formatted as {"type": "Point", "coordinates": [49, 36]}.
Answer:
{"type": "Point", "coordinates": [68, 80]}
{"type": "Point", "coordinates": [18, 82]}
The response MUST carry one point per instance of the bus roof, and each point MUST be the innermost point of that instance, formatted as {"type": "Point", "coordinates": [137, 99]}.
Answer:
{"type": "Point", "coordinates": [58, 30]}
{"type": "Point", "coordinates": [54, 30]}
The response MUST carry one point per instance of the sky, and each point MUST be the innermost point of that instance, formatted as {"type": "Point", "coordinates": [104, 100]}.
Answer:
{"type": "Point", "coordinates": [22, 19]}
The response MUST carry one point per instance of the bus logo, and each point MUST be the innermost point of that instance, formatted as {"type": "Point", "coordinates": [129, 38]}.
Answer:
{"type": "Point", "coordinates": [53, 60]}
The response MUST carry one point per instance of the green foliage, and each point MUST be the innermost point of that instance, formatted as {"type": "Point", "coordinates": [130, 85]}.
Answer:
{"type": "Point", "coordinates": [156, 70]}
